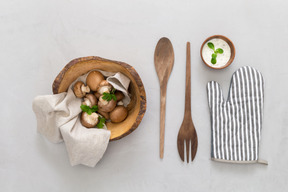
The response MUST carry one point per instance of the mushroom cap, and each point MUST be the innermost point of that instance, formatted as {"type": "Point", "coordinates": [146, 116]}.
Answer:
{"type": "Point", "coordinates": [90, 100]}
{"type": "Point", "coordinates": [77, 89]}
{"type": "Point", "coordinates": [89, 121]}
{"type": "Point", "coordinates": [97, 95]}
{"type": "Point", "coordinates": [119, 114]}
{"type": "Point", "coordinates": [104, 114]}
{"type": "Point", "coordinates": [119, 95]}
{"type": "Point", "coordinates": [94, 79]}
{"type": "Point", "coordinates": [106, 106]}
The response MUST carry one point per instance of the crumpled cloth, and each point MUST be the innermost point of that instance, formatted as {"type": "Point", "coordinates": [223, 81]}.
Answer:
{"type": "Point", "coordinates": [58, 120]}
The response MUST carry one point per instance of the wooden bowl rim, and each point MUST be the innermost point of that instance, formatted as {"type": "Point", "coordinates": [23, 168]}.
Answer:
{"type": "Point", "coordinates": [132, 71]}
{"type": "Point", "coordinates": [230, 43]}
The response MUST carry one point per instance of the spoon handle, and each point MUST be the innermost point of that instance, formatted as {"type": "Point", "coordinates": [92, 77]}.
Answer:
{"type": "Point", "coordinates": [188, 81]}
{"type": "Point", "coordinates": [163, 89]}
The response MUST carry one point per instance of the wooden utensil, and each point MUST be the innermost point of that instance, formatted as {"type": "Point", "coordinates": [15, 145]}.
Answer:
{"type": "Point", "coordinates": [163, 61]}
{"type": "Point", "coordinates": [187, 132]}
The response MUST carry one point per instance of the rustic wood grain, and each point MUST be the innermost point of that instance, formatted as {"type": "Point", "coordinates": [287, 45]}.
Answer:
{"type": "Point", "coordinates": [187, 132]}
{"type": "Point", "coordinates": [137, 106]}
{"type": "Point", "coordinates": [164, 61]}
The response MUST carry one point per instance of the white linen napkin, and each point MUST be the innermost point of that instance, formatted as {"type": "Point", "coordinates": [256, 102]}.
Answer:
{"type": "Point", "coordinates": [58, 120]}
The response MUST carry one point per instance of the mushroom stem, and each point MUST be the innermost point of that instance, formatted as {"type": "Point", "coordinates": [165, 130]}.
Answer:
{"type": "Point", "coordinates": [80, 89]}
{"type": "Point", "coordinates": [90, 100]}
{"type": "Point", "coordinates": [104, 87]}
{"type": "Point", "coordinates": [85, 89]}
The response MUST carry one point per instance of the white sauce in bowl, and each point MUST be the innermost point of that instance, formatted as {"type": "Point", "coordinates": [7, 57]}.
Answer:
{"type": "Point", "coordinates": [223, 58]}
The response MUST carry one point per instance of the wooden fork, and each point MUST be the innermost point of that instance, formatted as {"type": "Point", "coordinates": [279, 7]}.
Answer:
{"type": "Point", "coordinates": [187, 132]}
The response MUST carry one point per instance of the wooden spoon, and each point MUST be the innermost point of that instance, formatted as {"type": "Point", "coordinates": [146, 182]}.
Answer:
{"type": "Point", "coordinates": [163, 61]}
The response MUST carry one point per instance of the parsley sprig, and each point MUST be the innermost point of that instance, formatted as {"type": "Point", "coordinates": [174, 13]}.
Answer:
{"type": "Point", "coordinates": [214, 55]}
{"type": "Point", "coordinates": [109, 96]}
{"type": "Point", "coordinates": [101, 122]}
{"type": "Point", "coordinates": [88, 109]}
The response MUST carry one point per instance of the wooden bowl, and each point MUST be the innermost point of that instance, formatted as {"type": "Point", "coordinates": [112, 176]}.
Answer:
{"type": "Point", "coordinates": [231, 47]}
{"type": "Point", "coordinates": [137, 106]}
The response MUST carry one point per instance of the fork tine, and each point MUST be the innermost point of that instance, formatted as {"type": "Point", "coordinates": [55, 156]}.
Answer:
{"type": "Point", "coordinates": [187, 149]}
{"type": "Point", "coordinates": [194, 145]}
{"type": "Point", "coordinates": [180, 146]}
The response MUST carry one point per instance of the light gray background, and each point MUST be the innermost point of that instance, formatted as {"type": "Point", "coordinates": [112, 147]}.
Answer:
{"type": "Point", "coordinates": [38, 38]}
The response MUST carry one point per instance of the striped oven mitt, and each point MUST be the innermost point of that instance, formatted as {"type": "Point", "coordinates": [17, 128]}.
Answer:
{"type": "Point", "coordinates": [237, 123]}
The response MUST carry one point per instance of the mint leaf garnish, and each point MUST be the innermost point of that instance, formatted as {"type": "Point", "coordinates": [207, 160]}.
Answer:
{"type": "Point", "coordinates": [213, 60]}
{"type": "Point", "coordinates": [214, 55]}
{"type": "Point", "coordinates": [219, 50]}
{"type": "Point", "coordinates": [211, 46]}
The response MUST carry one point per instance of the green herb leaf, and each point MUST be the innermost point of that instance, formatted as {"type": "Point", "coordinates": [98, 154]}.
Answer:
{"type": "Point", "coordinates": [109, 96]}
{"type": "Point", "coordinates": [219, 50]}
{"type": "Point", "coordinates": [211, 46]}
{"type": "Point", "coordinates": [89, 110]}
{"type": "Point", "coordinates": [213, 60]}
{"type": "Point", "coordinates": [105, 96]}
{"type": "Point", "coordinates": [114, 97]}
{"type": "Point", "coordinates": [101, 122]}
{"type": "Point", "coordinates": [94, 108]}
{"type": "Point", "coordinates": [85, 108]}
{"type": "Point", "coordinates": [214, 55]}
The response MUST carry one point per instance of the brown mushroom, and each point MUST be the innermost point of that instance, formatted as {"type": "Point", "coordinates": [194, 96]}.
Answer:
{"type": "Point", "coordinates": [119, 95]}
{"type": "Point", "coordinates": [119, 114]}
{"type": "Point", "coordinates": [104, 114]}
{"type": "Point", "coordinates": [97, 95]}
{"type": "Point", "coordinates": [106, 106]}
{"type": "Point", "coordinates": [80, 89]}
{"type": "Point", "coordinates": [94, 79]}
{"type": "Point", "coordinates": [104, 87]}
{"type": "Point", "coordinates": [90, 100]}
{"type": "Point", "coordinates": [89, 121]}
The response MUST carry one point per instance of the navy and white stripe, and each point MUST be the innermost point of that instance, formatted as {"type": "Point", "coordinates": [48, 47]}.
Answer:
{"type": "Point", "coordinates": [236, 123]}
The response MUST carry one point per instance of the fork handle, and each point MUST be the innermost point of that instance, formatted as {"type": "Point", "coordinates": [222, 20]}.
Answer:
{"type": "Point", "coordinates": [188, 81]}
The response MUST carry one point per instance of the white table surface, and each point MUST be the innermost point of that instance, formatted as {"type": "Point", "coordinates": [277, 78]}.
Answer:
{"type": "Point", "coordinates": [38, 38]}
